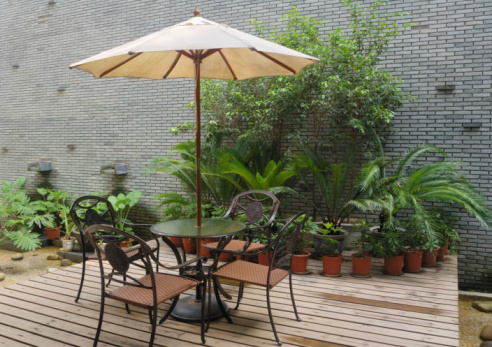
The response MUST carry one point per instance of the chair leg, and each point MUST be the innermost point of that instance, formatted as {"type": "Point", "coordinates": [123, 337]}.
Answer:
{"type": "Point", "coordinates": [99, 325]}
{"type": "Point", "coordinates": [169, 310]}
{"type": "Point", "coordinates": [202, 318]}
{"type": "Point", "coordinates": [209, 283]}
{"type": "Point", "coordinates": [109, 281]}
{"type": "Point", "coordinates": [153, 315]}
{"type": "Point", "coordinates": [239, 294]}
{"type": "Point", "coordinates": [292, 297]}
{"type": "Point", "coordinates": [271, 317]}
{"type": "Point", "coordinates": [81, 277]}
{"type": "Point", "coordinates": [219, 302]}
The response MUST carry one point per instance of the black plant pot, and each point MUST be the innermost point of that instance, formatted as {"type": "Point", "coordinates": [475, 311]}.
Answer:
{"type": "Point", "coordinates": [320, 240]}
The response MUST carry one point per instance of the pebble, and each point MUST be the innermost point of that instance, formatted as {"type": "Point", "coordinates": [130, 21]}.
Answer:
{"type": "Point", "coordinates": [2, 276]}
{"type": "Point", "coordinates": [484, 306]}
{"type": "Point", "coordinates": [53, 257]}
{"type": "Point", "coordinates": [66, 262]}
{"type": "Point", "coordinates": [486, 344]}
{"type": "Point", "coordinates": [52, 269]}
{"type": "Point", "coordinates": [486, 333]}
{"type": "Point", "coordinates": [17, 256]}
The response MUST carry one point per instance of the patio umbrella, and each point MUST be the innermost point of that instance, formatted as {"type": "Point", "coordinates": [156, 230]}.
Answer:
{"type": "Point", "coordinates": [197, 48]}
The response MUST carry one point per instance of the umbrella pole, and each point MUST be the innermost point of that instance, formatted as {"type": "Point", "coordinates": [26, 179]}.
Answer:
{"type": "Point", "coordinates": [197, 61]}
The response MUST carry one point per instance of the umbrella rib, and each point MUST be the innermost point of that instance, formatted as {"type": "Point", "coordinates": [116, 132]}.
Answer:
{"type": "Point", "coordinates": [122, 63]}
{"type": "Point", "coordinates": [228, 65]}
{"type": "Point", "coordinates": [173, 65]}
{"type": "Point", "coordinates": [277, 62]}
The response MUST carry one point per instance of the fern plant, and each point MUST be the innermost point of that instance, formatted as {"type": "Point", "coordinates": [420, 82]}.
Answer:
{"type": "Point", "coordinates": [18, 216]}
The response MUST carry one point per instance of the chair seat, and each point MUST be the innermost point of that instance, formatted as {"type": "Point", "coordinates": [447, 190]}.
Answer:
{"type": "Point", "coordinates": [131, 252]}
{"type": "Point", "coordinates": [237, 245]}
{"type": "Point", "coordinates": [167, 287]}
{"type": "Point", "coordinates": [244, 271]}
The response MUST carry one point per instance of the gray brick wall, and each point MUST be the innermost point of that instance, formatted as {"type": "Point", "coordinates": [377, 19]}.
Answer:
{"type": "Point", "coordinates": [128, 120]}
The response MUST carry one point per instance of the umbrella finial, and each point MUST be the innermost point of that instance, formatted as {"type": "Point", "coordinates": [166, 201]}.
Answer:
{"type": "Point", "coordinates": [197, 12]}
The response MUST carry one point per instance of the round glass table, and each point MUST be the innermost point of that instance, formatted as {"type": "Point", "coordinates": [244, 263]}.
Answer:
{"type": "Point", "coordinates": [189, 309]}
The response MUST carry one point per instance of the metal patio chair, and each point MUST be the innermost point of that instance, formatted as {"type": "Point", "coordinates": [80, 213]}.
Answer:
{"type": "Point", "coordinates": [148, 291]}
{"type": "Point", "coordinates": [95, 210]}
{"type": "Point", "coordinates": [258, 209]}
{"type": "Point", "coordinates": [279, 268]}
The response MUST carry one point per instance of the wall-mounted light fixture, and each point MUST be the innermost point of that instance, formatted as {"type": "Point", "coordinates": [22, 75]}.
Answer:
{"type": "Point", "coordinates": [472, 125]}
{"type": "Point", "coordinates": [71, 146]}
{"type": "Point", "coordinates": [41, 166]}
{"type": "Point", "coordinates": [15, 66]}
{"type": "Point", "coordinates": [115, 168]}
{"type": "Point", "coordinates": [445, 89]}
{"type": "Point", "coordinates": [61, 89]}
{"type": "Point", "coordinates": [5, 149]}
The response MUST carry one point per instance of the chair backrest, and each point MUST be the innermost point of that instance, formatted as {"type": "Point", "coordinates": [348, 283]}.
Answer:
{"type": "Point", "coordinates": [105, 240]}
{"type": "Point", "coordinates": [92, 210]}
{"type": "Point", "coordinates": [257, 208]}
{"type": "Point", "coordinates": [284, 245]}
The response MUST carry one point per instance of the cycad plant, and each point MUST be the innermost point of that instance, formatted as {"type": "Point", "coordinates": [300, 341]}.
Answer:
{"type": "Point", "coordinates": [411, 186]}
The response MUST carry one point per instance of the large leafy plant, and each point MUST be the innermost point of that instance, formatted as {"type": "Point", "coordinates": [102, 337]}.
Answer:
{"type": "Point", "coordinates": [19, 214]}
{"type": "Point", "coordinates": [122, 205]}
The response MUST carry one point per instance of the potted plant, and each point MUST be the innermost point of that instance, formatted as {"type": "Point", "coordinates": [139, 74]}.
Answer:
{"type": "Point", "coordinates": [413, 241]}
{"type": "Point", "coordinates": [325, 234]}
{"type": "Point", "coordinates": [446, 234]}
{"type": "Point", "coordinates": [57, 203]}
{"type": "Point", "coordinates": [390, 246]}
{"type": "Point", "coordinates": [301, 256]}
{"type": "Point", "coordinates": [361, 260]}
{"type": "Point", "coordinates": [332, 259]}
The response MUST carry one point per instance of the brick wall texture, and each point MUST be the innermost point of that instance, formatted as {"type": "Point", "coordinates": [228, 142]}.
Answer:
{"type": "Point", "coordinates": [45, 107]}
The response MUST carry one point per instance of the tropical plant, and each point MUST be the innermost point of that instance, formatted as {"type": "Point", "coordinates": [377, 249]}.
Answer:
{"type": "Point", "coordinates": [444, 226]}
{"type": "Point", "coordinates": [217, 188]}
{"type": "Point", "coordinates": [330, 248]}
{"type": "Point", "coordinates": [19, 214]}
{"type": "Point", "coordinates": [122, 205]}
{"type": "Point", "coordinates": [411, 185]}
{"type": "Point", "coordinates": [365, 242]}
{"type": "Point", "coordinates": [58, 203]}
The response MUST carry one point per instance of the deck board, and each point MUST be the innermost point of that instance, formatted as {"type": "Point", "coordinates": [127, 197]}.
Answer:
{"type": "Point", "coordinates": [410, 310]}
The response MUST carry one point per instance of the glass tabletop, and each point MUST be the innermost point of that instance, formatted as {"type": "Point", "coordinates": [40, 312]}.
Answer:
{"type": "Point", "coordinates": [188, 228]}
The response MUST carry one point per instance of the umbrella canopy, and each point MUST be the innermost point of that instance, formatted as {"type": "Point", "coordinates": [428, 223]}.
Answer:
{"type": "Point", "coordinates": [197, 48]}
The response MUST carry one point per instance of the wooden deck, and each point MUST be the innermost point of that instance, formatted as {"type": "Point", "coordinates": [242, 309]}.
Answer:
{"type": "Point", "coordinates": [410, 310]}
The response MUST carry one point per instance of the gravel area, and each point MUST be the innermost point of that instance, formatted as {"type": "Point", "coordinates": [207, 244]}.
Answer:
{"type": "Point", "coordinates": [472, 321]}
{"type": "Point", "coordinates": [33, 264]}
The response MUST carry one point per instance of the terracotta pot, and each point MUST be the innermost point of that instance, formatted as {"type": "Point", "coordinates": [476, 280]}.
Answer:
{"type": "Point", "coordinates": [413, 261]}
{"type": "Point", "coordinates": [52, 233]}
{"type": "Point", "coordinates": [442, 251]}
{"type": "Point", "coordinates": [174, 240]}
{"type": "Point", "coordinates": [332, 265]}
{"type": "Point", "coordinates": [238, 257]}
{"type": "Point", "coordinates": [188, 245]}
{"type": "Point", "coordinates": [299, 262]}
{"type": "Point", "coordinates": [361, 266]}
{"type": "Point", "coordinates": [206, 251]}
{"type": "Point", "coordinates": [263, 258]}
{"type": "Point", "coordinates": [429, 258]}
{"type": "Point", "coordinates": [126, 244]}
{"type": "Point", "coordinates": [393, 265]}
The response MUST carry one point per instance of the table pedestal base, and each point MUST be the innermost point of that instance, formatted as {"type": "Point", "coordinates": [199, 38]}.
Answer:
{"type": "Point", "coordinates": [190, 309]}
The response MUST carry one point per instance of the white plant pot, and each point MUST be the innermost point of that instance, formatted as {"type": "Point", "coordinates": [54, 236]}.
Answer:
{"type": "Point", "coordinates": [67, 245]}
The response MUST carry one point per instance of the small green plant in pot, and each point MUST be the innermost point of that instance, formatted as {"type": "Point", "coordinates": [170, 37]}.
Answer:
{"type": "Point", "coordinates": [58, 203]}
{"type": "Point", "coordinates": [301, 256]}
{"type": "Point", "coordinates": [361, 260]}
{"type": "Point", "coordinates": [332, 258]}
{"type": "Point", "coordinates": [328, 231]}
{"type": "Point", "coordinates": [390, 246]}
{"type": "Point", "coordinates": [447, 237]}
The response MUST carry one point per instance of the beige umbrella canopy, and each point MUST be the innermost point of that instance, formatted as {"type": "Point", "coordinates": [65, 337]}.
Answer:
{"type": "Point", "coordinates": [197, 48]}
